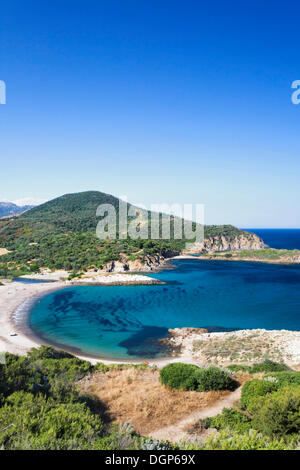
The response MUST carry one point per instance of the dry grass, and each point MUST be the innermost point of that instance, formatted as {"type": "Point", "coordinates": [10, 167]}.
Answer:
{"type": "Point", "coordinates": [136, 396]}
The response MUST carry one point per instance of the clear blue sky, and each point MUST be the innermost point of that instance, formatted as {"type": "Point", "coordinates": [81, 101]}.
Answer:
{"type": "Point", "coordinates": [164, 101]}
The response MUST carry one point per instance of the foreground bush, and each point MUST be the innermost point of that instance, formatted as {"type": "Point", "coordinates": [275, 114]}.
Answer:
{"type": "Point", "coordinates": [229, 418]}
{"type": "Point", "coordinates": [278, 413]}
{"type": "Point", "coordinates": [179, 376]}
{"type": "Point", "coordinates": [233, 440]}
{"type": "Point", "coordinates": [255, 388]}
{"type": "Point", "coordinates": [47, 352]}
{"type": "Point", "coordinates": [213, 378]}
{"type": "Point", "coordinates": [35, 422]}
{"type": "Point", "coordinates": [190, 377]}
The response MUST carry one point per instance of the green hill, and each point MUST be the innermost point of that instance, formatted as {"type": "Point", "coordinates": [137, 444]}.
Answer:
{"type": "Point", "coordinates": [61, 234]}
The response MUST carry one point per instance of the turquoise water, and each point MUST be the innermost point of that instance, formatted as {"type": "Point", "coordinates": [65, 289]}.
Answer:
{"type": "Point", "coordinates": [122, 322]}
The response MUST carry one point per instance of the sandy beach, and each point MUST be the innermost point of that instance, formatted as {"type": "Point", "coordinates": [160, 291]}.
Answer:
{"type": "Point", "coordinates": [17, 297]}
{"type": "Point", "coordinates": [12, 296]}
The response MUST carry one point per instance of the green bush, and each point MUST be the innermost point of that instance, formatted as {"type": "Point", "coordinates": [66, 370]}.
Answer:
{"type": "Point", "coordinates": [18, 374]}
{"type": "Point", "coordinates": [229, 418]}
{"type": "Point", "coordinates": [238, 368]}
{"type": "Point", "coordinates": [277, 414]}
{"type": "Point", "coordinates": [234, 440]}
{"type": "Point", "coordinates": [69, 369]}
{"type": "Point", "coordinates": [269, 366]}
{"type": "Point", "coordinates": [47, 352]}
{"type": "Point", "coordinates": [190, 377]}
{"type": "Point", "coordinates": [255, 388]}
{"type": "Point", "coordinates": [35, 422]}
{"type": "Point", "coordinates": [265, 366]}
{"type": "Point", "coordinates": [283, 379]}
{"type": "Point", "coordinates": [213, 378]}
{"type": "Point", "coordinates": [179, 376]}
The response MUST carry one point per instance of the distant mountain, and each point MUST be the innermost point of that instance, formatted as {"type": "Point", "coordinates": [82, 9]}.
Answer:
{"type": "Point", "coordinates": [9, 209]}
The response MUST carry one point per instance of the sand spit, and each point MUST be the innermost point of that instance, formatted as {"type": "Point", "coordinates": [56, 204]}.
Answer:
{"type": "Point", "coordinates": [116, 279]}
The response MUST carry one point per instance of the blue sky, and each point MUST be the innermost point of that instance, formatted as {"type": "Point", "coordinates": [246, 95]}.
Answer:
{"type": "Point", "coordinates": [164, 101]}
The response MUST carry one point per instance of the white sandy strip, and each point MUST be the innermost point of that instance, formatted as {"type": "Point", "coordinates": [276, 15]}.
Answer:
{"type": "Point", "coordinates": [117, 278]}
{"type": "Point", "coordinates": [14, 298]}
{"type": "Point", "coordinates": [95, 278]}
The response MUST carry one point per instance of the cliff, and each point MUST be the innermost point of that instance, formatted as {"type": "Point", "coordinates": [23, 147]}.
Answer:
{"type": "Point", "coordinates": [242, 241]}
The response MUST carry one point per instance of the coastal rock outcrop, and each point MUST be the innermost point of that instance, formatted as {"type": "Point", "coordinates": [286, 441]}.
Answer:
{"type": "Point", "coordinates": [244, 241]}
{"type": "Point", "coordinates": [140, 264]}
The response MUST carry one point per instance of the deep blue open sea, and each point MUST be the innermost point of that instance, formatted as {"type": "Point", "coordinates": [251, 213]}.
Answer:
{"type": "Point", "coordinates": [123, 322]}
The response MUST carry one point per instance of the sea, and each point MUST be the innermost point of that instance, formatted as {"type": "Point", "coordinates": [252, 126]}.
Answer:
{"type": "Point", "coordinates": [125, 322]}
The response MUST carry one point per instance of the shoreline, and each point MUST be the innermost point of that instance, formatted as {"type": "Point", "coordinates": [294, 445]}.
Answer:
{"type": "Point", "coordinates": [16, 300]}
{"type": "Point", "coordinates": [16, 337]}
{"type": "Point", "coordinates": [211, 257]}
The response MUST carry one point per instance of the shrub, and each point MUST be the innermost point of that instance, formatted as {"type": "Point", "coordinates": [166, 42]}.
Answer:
{"type": "Point", "coordinates": [190, 377]}
{"type": "Point", "coordinates": [47, 352]}
{"type": "Point", "coordinates": [18, 374]}
{"type": "Point", "coordinates": [255, 388]}
{"type": "Point", "coordinates": [239, 367]}
{"type": "Point", "coordinates": [213, 378]}
{"type": "Point", "coordinates": [252, 440]}
{"type": "Point", "coordinates": [179, 376]}
{"type": "Point", "coordinates": [282, 379]}
{"type": "Point", "coordinates": [69, 369]}
{"type": "Point", "coordinates": [278, 413]}
{"type": "Point", "coordinates": [269, 366]}
{"type": "Point", "coordinates": [229, 418]}
{"type": "Point", "coordinates": [30, 422]}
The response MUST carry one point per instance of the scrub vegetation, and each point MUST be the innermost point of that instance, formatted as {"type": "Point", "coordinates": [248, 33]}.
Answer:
{"type": "Point", "coordinates": [52, 400]}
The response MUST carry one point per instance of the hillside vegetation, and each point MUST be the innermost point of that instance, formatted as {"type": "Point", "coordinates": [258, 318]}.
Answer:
{"type": "Point", "coordinates": [61, 234]}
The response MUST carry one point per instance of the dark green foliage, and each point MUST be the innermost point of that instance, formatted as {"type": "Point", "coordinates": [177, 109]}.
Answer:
{"type": "Point", "coordinates": [179, 376]}
{"type": "Point", "coordinates": [278, 413]}
{"type": "Point", "coordinates": [70, 369]}
{"type": "Point", "coordinates": [35, 422]}
{"type": "Point", "coordinates": [229, 418]}
{"type": "Point", "coordinates": [55, 363]}
{"type": "Point", "coordinates": [255, 388]}
{"type": "Point", "coordinates": [64, 235]}
{"type": "Point", "coordinates": [213, 378]}
{"type": "Point", "coordinates": [269, 366]}
{"type": "Point", "coordinates": [47, 352]}
{"type": "Point", "coordinates": [19, 374]}
{"type": "Point", "coordinates": [190, 377]}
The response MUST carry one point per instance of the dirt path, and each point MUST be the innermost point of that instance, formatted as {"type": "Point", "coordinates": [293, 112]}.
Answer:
{"type": "Point", "coordinates": [176, 432]}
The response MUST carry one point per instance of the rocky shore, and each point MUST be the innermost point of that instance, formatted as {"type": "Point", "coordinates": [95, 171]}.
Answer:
{"type": "Point", "coordinates": [238, 347]}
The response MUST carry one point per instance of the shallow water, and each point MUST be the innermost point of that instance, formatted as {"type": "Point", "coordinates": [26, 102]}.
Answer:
{"type": "Point", "coordinates": [122, 322]}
